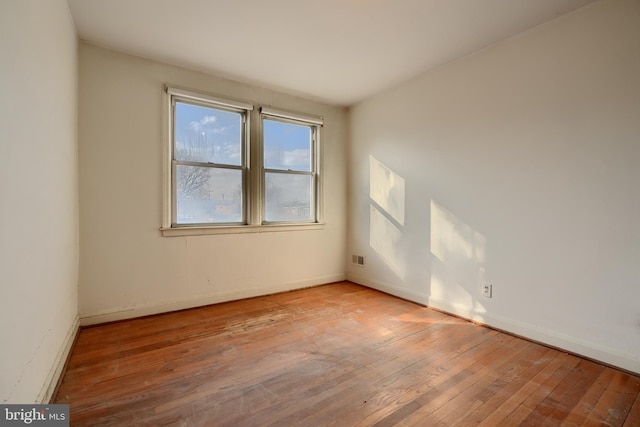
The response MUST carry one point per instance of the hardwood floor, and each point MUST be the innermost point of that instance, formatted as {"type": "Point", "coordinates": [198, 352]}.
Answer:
{"type": "Point", "coordinates": [339, 355]}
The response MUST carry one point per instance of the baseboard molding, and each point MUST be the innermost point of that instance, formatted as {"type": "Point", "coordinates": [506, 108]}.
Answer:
{"type": "Point", "coordinates": [388, 289]}
{"type": "Point", "coordinates": [544, 336]}
{"type": "Point", "coordinates": [168, 306]}
{"type": "Point", "coordinates": [589, 350]}
{"type": "Point", "coordinates": [548, 337]}
{"type": "Point", "coordinates": [49, 386]}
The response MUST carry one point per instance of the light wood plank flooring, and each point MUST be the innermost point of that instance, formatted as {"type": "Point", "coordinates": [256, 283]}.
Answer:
{"type": "Point", "coordinates": [333, 355]}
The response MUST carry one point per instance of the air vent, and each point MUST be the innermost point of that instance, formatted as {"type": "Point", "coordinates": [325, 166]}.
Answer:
{"type": "Point", "coordinates": [357, 260]}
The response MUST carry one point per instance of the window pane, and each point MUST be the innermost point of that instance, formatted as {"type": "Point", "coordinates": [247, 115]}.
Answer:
{"type": "Point", "coordinates": [287, 146]}
{"type": "Point", "coordinates": [207, 135]}
{"type": "Point", "coordinates": [205, 195]}
{"type": "Point", "coordinates": [288, 197]}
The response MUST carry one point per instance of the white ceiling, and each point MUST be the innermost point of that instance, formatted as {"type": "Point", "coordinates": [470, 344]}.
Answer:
{"type": "Point", "coordinates": [337, 51]}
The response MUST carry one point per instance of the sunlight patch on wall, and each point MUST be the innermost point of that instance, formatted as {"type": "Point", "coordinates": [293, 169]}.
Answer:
{"type": "Point", "coordinates": [459, 257]}
{"type": "Point", "coordinates": [386, 215]}
{"type": "Point", "coordinates": [384, 238]}
{"type": "Point", "coordinates": [453, 241]}
{"type": "Point", "coordinates": [446, 287]}
{"type": "Point", "coordinates": [386, 188]}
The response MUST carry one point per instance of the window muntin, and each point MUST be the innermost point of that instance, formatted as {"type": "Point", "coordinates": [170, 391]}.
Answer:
{"type": "Point", "coordinates": [290, 170]}
{"type": "Point", "coordinates": [208, 164]}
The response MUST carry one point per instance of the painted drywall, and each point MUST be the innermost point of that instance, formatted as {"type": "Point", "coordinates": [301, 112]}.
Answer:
{"type": "Point", "coordinates": [517, 166]}
{"type": "Point", "coordinates": [38, 196]}
{"type": "Point", "coordinates": [127, 267]}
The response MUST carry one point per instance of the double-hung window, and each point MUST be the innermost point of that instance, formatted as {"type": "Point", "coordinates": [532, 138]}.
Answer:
{"type": "Point", "coordinates": [209, 155]}
{"type": "Point", "coordinates": [223, 176]}
{"type": "Point", "coordinates": [290, 167]}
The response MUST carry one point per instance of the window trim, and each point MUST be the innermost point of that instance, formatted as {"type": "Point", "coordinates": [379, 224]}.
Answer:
{"type": "Point", "coordinates": [253, 169]}
{"type": "Point", "coordinates": [188, 98]}
{"type": "Point", "coordinates": [300, 120]}
{"type": "Point", "coordinates": [208, 99]}
{"type": "Point", "coordinates": [296, 117]}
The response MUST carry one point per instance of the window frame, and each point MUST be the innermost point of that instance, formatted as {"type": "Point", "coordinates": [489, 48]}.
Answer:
{"type": "Point", "coordinates": [175, 162]}
{"type": "Point", "coordinates": [301, 120]}
{"type": "Point", "coordinates": [253, 168]}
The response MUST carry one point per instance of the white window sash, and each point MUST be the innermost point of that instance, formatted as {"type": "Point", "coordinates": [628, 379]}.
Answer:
{"type": "Point", "coordinates": [187, 94]}
{"type": "Point", "coordinates": [313, 120]}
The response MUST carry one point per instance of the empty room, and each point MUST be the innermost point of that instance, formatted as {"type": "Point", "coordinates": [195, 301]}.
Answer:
{"type": "Point", "coordinates": [343, 212]}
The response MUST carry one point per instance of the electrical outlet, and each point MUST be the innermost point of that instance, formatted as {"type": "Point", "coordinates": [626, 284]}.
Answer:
{"type": "Point", "coordinates": [487, 290]}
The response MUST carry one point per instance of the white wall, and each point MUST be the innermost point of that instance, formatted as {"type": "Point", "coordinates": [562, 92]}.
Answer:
{"type": "Point", "coordinates": [127, 268]}
{"type": "Point", "coordinates": [517, 166]}
{"type": "Point", "coordinates": [38, 196]}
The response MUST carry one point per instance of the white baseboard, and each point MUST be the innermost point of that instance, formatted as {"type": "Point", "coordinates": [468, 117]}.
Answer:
{"type": "Point", "coordinates": [583, 348]}
{"type": "Point", "coordinates": [552, 338]}
{"type": "Point", "coordinates": [49, 386]}
{"type": "Point", "coordinates": [168, 306]}
{"type": "Point", "coordinates": [388, 289]}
